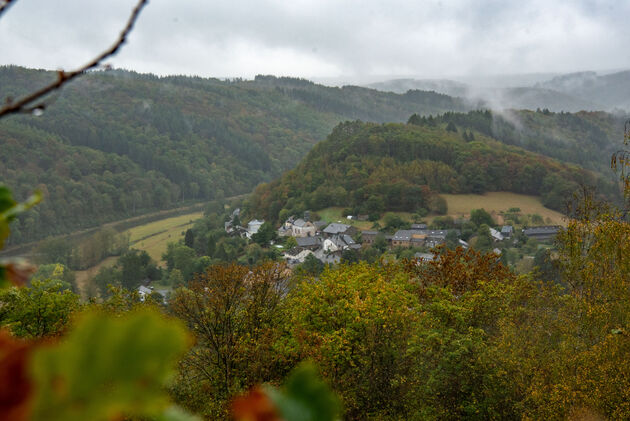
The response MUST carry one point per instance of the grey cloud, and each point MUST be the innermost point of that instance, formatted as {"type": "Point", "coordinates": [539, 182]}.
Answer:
{"type": "Point", "coordinates": [324, 37]}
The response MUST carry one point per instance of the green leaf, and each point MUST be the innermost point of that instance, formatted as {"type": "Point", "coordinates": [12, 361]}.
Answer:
{"type": "Point", "coordinates": [306, 397]}
{"type": "Point", "coordinates": [108, 368]}
{"type": "Point", "coordinates": [9, 209]}
{"type": "Point", "coordinates": [6, 199]}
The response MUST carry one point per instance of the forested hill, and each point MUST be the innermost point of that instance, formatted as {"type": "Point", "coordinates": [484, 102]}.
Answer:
{"type": "Point", "coordinates": [115, 144]}
{"type": "Point", "coordinates": [586, 138]}
{"type": "Point", "coordinates": [372, 168]}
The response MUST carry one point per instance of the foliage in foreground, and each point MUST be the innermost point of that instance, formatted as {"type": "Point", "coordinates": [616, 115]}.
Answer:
{"type": "Point", "coordinates": [108, 365]}
{"type": "Point", "coordinates": [461, 337]}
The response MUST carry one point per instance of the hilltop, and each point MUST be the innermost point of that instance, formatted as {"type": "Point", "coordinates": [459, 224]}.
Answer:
{"type": "Point", "coordinates": [372, 168]}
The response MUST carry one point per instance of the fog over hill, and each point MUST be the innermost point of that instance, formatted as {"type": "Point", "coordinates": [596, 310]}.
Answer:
{"type": "Point", "coordinates": [570, 92]}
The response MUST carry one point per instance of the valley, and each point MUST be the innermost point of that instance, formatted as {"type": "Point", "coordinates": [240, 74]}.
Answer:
{"type": "Point", "coordinates": [314, 211]}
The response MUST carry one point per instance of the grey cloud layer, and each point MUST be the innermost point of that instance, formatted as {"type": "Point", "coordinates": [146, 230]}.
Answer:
{"type": "Point", "coordinates": [324, 37]}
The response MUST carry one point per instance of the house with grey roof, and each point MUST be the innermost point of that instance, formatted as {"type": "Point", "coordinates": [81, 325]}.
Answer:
{"type": "Point", "coordinates": [368, 237]}
{"type": "Point", "coordinates": [507, 231]}
{"type": "Point", "coordinates": [302, 228]}
{"type": "Point", "coordinates": [542, 233]}
{"type": "Point", "coordinates": [336, 228]}
{"type": "Point", "coordinates": [339, 243]}
{"type": "Point", "coordinates": [496, 235]}
{"type": "Point", "coordinates": [311, 243]}
{"type": "Point", "coordinates": [402, 238]}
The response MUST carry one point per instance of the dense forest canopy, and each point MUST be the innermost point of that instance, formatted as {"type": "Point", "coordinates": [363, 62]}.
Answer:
{"type": "Point", "coordinates": [373, 168]}
{"type": "Point", "coordinates": [119, 143]}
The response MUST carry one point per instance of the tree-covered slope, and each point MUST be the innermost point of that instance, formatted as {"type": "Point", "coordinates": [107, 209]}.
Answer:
{"type": "Point", "coordinates": [377, 167]}
{"type": "Point", "coordinates": [117, 143]}
{"type": "Point", "coordinates": [586, 138]}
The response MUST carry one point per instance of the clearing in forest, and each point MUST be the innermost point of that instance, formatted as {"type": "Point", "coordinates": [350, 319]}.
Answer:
{"type": "Point", "coordinates": [460, 205]}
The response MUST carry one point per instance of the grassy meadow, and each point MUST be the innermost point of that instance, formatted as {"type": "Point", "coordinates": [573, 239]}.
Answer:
{"type": "Point", "coordinates": [460, 205]}
{"type": "Point", "coordinates": [154, 236]}
{"type": "Point", "coordinates": [151, 237]}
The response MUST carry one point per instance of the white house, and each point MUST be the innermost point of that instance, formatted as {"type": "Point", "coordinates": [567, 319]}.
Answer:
{"type": "Point", "coordinates": [296, 255]}
{"type": "Point", "coordinates": [496, 235]}
{"type": "Point", "coordinates": [144, 292]}
{"type": "Point", "coordinates": [253, 226]}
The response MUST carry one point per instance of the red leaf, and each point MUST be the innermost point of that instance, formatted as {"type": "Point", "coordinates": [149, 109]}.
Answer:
{"type": "Point", "coordinates": [16, 388]}
{"type": "Point", "coordinates": [255, 406]}
{"type": "Point", "coordinates": [19, 272]}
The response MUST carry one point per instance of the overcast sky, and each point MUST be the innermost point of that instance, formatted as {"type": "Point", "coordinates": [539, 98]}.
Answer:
{"type": "Point", "coordinates": [324, 38]}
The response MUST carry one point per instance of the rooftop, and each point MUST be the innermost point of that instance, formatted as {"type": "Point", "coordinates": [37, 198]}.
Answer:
{"type": "Point", "coordinates": [336, 228]}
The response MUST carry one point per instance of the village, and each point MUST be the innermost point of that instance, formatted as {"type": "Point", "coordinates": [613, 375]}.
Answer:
{"type": "Point", "coordinates": [328, 241]}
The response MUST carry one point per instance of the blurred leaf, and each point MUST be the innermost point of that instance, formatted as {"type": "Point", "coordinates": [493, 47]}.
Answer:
{"type": "Point", "coordinates": [17, 272]}
{"type": "Point", "coordinates": [9, 209]}
{"type": "Point", "coordinates": [15, 387]}
{"type": "Point", "coordinates": [306, 397]}
{"type": "Point", "coordinates": [255, 406]}
{"type": "Point", "coordinates": [6, 200]}
{"type": "Point", "coordinates": [15, 210]}
{"type": "Point", "coordinates": [108, 368]}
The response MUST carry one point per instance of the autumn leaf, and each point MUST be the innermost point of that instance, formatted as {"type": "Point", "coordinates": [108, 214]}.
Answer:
{"type": "Point", "coordinates": [255, 406]}
{"type": "Point", "coordinates": [16, 388]}
{"type": "Point", "coordinates": [18, 272]}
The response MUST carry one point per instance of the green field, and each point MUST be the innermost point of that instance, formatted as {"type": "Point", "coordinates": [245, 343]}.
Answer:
{"type": "Point", "coordinates": [154, 236]}
{"type": "Point", "coordinates": [460, 205]}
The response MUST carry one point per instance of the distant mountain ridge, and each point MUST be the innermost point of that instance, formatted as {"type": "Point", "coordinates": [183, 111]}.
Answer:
{"type": "Point", "coordinates": [568, 92]}
{"type": "Point", "coordinates": [611, 90]}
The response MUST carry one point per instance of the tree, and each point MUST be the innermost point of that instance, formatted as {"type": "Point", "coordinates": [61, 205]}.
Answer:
{"type": "Point", "coordinates": [394, 222]}
{"type": "Point", "coordinates": [357, 322]}
{"type": "Point", "coordinates": [290, 243]}
{"type": "Point", "coordinates": [450, 127]}
{"type": "Point", "coordinates": [54, 250]}
{"type": "Point", "coordinates": [620, 161]}
{"type": "Point", "coordinates": [480, 217]}
{"type": "Point", "coordinates": [439, 205]}
{"type": "Point", "coordinates": [312, 266]}
{"type": "Point", "coordinates": [380, 243]}
{"type": "Point", "coordinates": [233, 311]}
{"type": "Point", "coordinates": [484, 240]}
{"type": "Point", "coordinates": [107, 276]}
{"type": "Point", "coordinates": [135, 267]}
{"type": "Point", "coordinates": [189, 238]}
{"type": "Point", "coordinates": [41, 310]}
{"type": "Point", "coordinates": [452, 239]}
{"type": "Point", "coordinates": [266, 233]}
{"type": "Point", "coordinates": [181, 257]}
{"type": "Point", "coordinates": [59, 273]}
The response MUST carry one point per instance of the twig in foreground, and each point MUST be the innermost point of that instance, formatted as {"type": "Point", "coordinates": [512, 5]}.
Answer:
{"type": "Point", "coordinates": [25, 104]}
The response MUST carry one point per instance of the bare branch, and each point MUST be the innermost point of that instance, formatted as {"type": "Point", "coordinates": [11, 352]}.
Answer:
{"type": "Point", "coordinates": [25, 104]}
{"type": "Point", "coordinates": [5, 4]}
